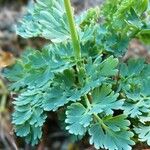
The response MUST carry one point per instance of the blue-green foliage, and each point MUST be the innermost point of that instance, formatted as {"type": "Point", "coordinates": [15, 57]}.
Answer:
{"type": "Point", "coordinates": [100, 96]}
{"type": "Point", "coordinates": [45, 19]}
{"type": "Point", "coordinates": [112, 134]}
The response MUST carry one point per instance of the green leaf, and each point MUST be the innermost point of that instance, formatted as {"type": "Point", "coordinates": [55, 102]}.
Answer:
{"type": "Point", "coordinates": [45, 19]}
{"type": "Point", "coordinates": [123, 20]}
{"type": "Point", "coordinates": [40, 66]}
{"type": "Point", "coordinates": [22, 130]}
{"type": "Point", "coordinates": [87, 34]}
{"type": "Point", "coordinates": [117, 12]}
{"type": "Point", "coordinates": [143, 6]}
{"type": "Point", "coordinates": [15, 74]}
{"type": "Point", "coordinates": [110, 41]}
{"type": "Point", "coordinates": [133, 67]}
{"type": "Point", "coordinates": [134, 21]}
{"type": "Point", "coordinates": [111, 137]}
{"type": "Point", "coordinates": [136, 109]}
{"type": "Point", "coordinates": [116, 123]}
{"type": "Point", "coordinates": [29, 116]}
{"type": "Point", "coordinates": [138, 106]}
{"type": "Point", "coordinates": [78, 119]}
{"type": "Point", "coordinates": [138, 103]}
{"type": "Point", "coordinates": [35, 136]}
{"type": "Point", "coordinates": [98, 72]}
{"type": "Point", "coordinates": [62, 91]}
{"type": "Point", "coordinates": [88, 17]}
{"type": "Point", "coordinates": [134, 83]}
{"type": "Point", "coordinates": [53, 80]}
{"type": "Point", "coordinates": [143, 133]}
{"type": "Point", "coordinates": [144, 34]}
{"type": "Point", "coordinates": [105, 100]}
{"type": "Point", "coordinates": [145, 118]}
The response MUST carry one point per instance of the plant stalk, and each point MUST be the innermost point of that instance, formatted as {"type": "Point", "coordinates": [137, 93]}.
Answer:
{"type": "Point", "coordinates": [87, 102]}
{"type": "Point", "coordinates": [77, 49]}
{"type": "Point", "coordinates": [3, 97]}
{"type": "Point", "coordinates": [73, 31]}
{"type": "Point", "coordinates": [95, 115]}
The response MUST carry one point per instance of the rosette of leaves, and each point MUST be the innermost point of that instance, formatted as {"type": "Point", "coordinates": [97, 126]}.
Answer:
{"type": "Point", "coordinates": [79, 73]}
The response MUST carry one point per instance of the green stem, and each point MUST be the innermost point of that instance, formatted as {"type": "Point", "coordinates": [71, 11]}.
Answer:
{"type": "Point", "coordinates": [87, 102]}
{"type": "Point", "coordinates": [98, 119]}
{"type": "Point", "coordinates": [77, 49]}
{"type": "Point", "coordinates": [74, 35]}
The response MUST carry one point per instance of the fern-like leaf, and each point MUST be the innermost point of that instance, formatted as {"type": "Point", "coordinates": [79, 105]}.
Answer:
{"type": "Point", "coordinates": [29, 116]}
{"type": "Point", "coordinates": [40, 66]}
{"type": "Point", "coordinates": [143, 133]}
{"type": "Point", "coordinates": [45, 19]}
{"type": "Point", "coordinates": [106, 136]}
{"type": "Point", "coordinates": [78, 119]}
{"type": "Point", "coordinates": [104, 100]}
{"type": "Point", "coordinates": [98, 71]}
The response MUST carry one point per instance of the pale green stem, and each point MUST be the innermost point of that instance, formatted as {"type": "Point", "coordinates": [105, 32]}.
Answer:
{"type": "Point", "coordinates": [87, 102]}
{"type": "Point", "coordinates": [100, 121]}
{"type": "Point", "coordinates": [77, 49]}
{"type": "Point", "coordinates": [73, 31]}
{"type": "Point", "coordinates": [95, 115]}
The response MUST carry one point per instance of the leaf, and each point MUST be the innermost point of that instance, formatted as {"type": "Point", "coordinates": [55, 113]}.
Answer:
{"type": "Point", "coordinates": [134, 21]}
{"type": "Point", "coordinates": [110, 41]}
{"type": "Point", "coordinates": [22, 130]}
{"type": "Point", "coordinates": [136, 109]}
{"type": "Point", "coordinates": [98, 72]}
{"type": "Point", "coordinates": [133, 67]}
{"type": "Point", "coordinates": [123, 20]}
{"type": "Point", "coordinates": [104, 100]}
{"type": "Point", "coordinates": [29, 116]}
{"type": "Point", "coordinates": [145, 118]}
{"type": "Point", "coordinates": [109, 137]}
{"type": "Point", "coordinates": [35, 136]}
{"type": "Point", "coordinates": [78, 119]}
{"type": "Point", "coordinates": [138, 106]}
{"type": "Point", "coordinates": [40, 66]}
{"type": "Point", "coordinates": [143, 133]}
{"type": "Point", "coordinates": [15, 74]}
{"type": "Point", "coordinates": [88, 17]}
{"type": "Point", "coordinates": [116, 123]}
{"type": "Point", "coordinates": [65, 90]}
{"type": "Point", "coordinates": [52, 79]}
{"type": "Point", "coordinates": [117, 12]}
{"type": "Point", "coordinates": [135, 85]}
{"type": "Point", "coordinates": [45, 19]}
{"type": "Point", "coordinates": [144, 34]}
{"type": "Point", "coordinates": [87, 34]}
{"type": "Point", "coordinates": [62, 91]}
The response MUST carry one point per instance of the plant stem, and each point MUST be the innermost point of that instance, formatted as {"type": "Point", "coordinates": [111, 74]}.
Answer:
{"type": "Point", "coordinates": [95, 115]}
{"type": "Point", "coordinates": [87, 102]}
{"type": "Point", "coordinates": [77, 49]}
{"type": "Point", "coordinates": [100, 121]}
{"type": "Point", "coordinates": [74, 35]}
{"type": "Point", "coordinates": [4, 96]}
